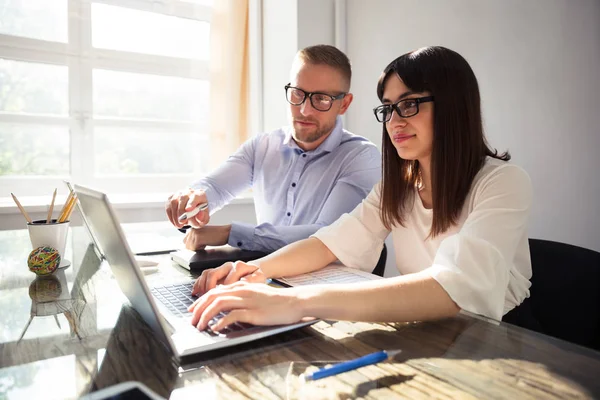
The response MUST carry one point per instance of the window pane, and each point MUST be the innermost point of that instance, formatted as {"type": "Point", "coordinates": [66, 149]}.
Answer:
{"type": "Point", "coordinates": [134, 151]}
{"type": "Point", "coordinates": [34, 149]}
{"type": "Point", "coordinates": [208, 3]}
{"type": "Point", "coordinates": [130, 95]}
{"type": "Point", "coordinates": [118, 28]}
{"type": "Point", "coordinates": [33, 88]}
{"type": "Point", "coordinates": [37, 19]}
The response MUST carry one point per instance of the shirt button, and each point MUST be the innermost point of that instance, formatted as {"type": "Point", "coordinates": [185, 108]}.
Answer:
{"type": "Point", "coordinates": [288, 214]}
{"type": "Point", "coordinates": [239, 244]}
{"type": "Point", "coordinates": [293, 185]}
{"type": "Point", "coordinates": [303, 155]}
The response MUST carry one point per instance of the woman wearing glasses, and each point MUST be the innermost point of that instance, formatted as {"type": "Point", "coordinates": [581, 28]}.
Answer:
{"type": "Point", "coordinates": [456, 209]}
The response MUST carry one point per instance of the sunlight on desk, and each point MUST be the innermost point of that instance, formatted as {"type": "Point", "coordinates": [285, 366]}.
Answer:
{"type": "Point", "coordinates": [108, 342]}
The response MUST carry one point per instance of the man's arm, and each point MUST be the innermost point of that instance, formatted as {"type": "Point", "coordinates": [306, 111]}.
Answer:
{"type": "Point", "coordinates": [231, 178]}
{"type": "Point", "coordinates": [216, 189]}
{"type": "Point", "coordinates": [268, 237]}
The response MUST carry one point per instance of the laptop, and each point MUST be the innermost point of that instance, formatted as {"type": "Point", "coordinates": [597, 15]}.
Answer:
{"type": "Point", "coordinates": [97, 247]}
{"type": "Point", "coordinates": [163, 308]}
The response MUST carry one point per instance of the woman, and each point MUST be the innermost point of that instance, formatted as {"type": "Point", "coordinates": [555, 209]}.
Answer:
{"type": "Point", "coordinates": [457, 212]}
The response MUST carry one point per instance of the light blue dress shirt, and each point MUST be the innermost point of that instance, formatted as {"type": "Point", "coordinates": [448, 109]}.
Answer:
{"type": "Point", "coordinates": [295, 192]}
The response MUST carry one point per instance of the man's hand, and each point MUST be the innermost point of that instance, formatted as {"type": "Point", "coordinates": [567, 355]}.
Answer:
{"type": "Point", "coordinates": [212, 235]}
{"type": "Point", "coordinates": [184, 201]}
{"type": "Point", "coordinates": [227, 273]}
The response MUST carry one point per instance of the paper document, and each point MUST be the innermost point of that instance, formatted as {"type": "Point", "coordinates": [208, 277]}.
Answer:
{"type": "Point", "coordinates": [333, 273]}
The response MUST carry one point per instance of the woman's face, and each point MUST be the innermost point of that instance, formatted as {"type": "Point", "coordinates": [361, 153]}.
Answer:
{"type": "Point", "coordinates": [413, 136]}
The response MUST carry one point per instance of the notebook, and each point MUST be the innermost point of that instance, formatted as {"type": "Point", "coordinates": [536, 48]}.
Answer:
{"type": "Point", "coordinates": [198, 261]}
{"type": "Point", "coordinates": [163, 308]}
{"type": "Point", "coordinates": [333, 273]}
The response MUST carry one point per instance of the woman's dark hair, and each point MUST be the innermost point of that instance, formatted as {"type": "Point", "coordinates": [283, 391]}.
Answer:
{"type": "Point", "coordinates": [459, 145]}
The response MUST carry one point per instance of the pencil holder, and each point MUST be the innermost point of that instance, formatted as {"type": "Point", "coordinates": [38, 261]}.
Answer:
{"type": "Point", "coordinates": [53, 235]}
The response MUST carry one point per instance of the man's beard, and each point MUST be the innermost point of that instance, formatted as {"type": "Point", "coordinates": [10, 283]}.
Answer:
{"type": "Point", "coordinates": [311, 137]}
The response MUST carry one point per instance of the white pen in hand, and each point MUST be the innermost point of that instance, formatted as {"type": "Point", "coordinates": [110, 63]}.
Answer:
{"type": "Point", "coordinates": [187, 215]}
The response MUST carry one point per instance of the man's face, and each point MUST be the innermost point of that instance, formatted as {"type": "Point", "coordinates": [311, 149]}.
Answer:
{"type": "Point", "coordinates": [311, 126]}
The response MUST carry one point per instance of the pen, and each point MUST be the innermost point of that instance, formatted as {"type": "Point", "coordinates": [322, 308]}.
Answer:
{"type": "Point", "coordinates": [190, 214]}
{"type": "Point", "coordinates": [369, 359]}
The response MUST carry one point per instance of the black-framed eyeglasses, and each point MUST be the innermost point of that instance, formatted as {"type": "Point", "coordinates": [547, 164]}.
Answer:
{"type": "Point", "coordinates": [320, 101]}
{"type": "Point", "coordinates": [404, 108]}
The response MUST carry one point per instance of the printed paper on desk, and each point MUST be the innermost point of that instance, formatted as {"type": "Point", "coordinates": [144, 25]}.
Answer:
{"type": "Point", "coordinates": [333, 273]}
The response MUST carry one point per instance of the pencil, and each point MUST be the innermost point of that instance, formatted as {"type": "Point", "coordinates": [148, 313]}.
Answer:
{"type": "Point", "coordinates": [68, 209]}
{"type": "Point", "coordinates": [21, 208]}
{"type": "Point", "coordinates": [49, 219]}
{"type": "Point", "coordinates": [64, 208]}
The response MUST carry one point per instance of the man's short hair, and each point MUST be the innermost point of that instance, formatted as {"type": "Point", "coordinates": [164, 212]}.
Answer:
{"type": "Point", "coordinates": [327, 55]}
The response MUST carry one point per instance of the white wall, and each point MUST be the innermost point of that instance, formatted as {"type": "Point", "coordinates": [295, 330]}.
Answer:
{"type": "Point", "coordinates": [289, 26]}
{"type": "Point", "coordinates": [538, 66]}
{"type": "Point", "coordinates": [279, 45]}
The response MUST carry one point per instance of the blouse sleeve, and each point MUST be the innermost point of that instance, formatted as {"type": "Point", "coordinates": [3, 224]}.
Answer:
{"type": "Point", "coordinates": [474, 265]}
{"type": "Point", "coordinates": [357, 238]}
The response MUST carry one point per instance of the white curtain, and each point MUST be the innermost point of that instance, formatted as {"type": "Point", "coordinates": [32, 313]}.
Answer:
{"type": "Point", "coordinates": [229, 78]}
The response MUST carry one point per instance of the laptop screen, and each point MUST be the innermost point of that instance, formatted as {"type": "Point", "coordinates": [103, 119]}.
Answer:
{"type": "Point", "coordinates": [104, 226]}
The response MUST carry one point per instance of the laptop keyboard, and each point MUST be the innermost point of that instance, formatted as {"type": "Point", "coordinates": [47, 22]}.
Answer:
{"type": "Point", "coordinates": [177, 298]}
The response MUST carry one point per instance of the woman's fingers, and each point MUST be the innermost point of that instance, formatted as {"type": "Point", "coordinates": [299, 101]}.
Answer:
{"type": "Point", "coordinates": [210, 278]}
{"type": "Point", "coordinates": [199, 306]}
{"type": "Point", "coordinates": [203, 315]}
{"type": "Point", "coordinates": [239, 270]}
{"type": "Point", "coordinates": [255, 277]}
{"type": "Point", "coordinates": [245, 302]}
{"type": "Point", "coordinates": [239, 315]}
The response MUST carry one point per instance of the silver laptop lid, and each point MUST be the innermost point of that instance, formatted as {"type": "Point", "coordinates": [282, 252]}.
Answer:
{"type": "Point", "coordinates": [86, 224]}
{"type": "Point", "coordinates": [103, 223]}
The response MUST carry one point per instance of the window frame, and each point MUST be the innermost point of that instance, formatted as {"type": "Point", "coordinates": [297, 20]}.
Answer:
{"type": "Point", "coordinates": [81, 58]}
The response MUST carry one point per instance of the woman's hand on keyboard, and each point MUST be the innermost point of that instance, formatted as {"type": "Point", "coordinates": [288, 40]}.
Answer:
{"type": "Point", "coordinates": [227, 273]}
{"type": "Point", "coordinates": [246, 303]}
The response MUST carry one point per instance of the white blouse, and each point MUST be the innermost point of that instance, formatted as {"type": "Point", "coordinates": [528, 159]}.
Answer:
{"type": "Point", "coordinates": [482, 262]}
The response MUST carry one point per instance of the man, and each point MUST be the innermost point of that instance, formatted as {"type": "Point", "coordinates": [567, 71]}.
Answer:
{"type": "Point", "coordinates": [303, 176]}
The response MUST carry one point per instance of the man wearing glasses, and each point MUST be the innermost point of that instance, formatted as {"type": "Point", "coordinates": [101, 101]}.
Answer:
{"type": "Point", "coordinates": [303, 176]}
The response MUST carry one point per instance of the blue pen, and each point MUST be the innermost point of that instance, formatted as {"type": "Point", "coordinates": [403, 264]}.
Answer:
{"type": "Point", "coordinates": [369, 359]}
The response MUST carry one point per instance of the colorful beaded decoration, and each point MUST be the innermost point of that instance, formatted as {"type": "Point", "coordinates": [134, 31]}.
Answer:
{"type": "Point", "coordinates": [43, 260]}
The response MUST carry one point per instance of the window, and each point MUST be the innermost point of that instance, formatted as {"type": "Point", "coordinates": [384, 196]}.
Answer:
{"type": "Point", "coordinates": [109, 93]}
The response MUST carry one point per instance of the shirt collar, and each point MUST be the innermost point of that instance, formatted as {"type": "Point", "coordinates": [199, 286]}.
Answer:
{"type": "Point", "coordinates": [331, 143]}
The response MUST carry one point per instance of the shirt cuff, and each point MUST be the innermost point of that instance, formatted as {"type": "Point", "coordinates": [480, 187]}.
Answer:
{"type": "Point", "coordinates": [241, 235]}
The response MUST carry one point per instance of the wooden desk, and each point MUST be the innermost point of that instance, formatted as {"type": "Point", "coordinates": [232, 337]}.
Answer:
{"type": "Point", "coordinates": [101, 342]}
